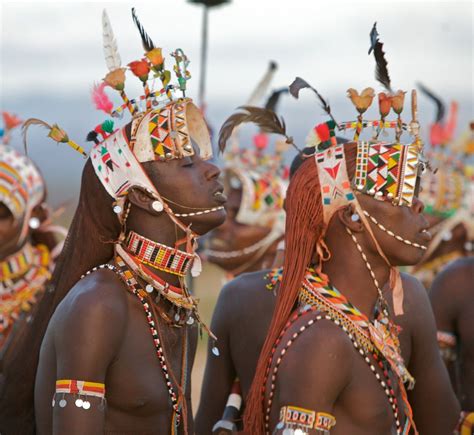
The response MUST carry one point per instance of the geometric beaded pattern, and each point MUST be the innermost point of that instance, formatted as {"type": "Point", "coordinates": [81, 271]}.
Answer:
{"type": "Point", "coordinates": [21, 185]}
{"type": "Point", "coordinates": [70, 386]}
{"type": "Point", "coordinates": [157, 255]}
{"type": "Point", "coordinates": [388, 171]}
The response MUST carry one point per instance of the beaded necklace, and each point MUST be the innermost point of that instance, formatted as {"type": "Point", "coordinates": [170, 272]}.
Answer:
{"type": "Point", "coordinates": [157, 255]}
{"type": "Point", "coordinates": [317, 295]}
{"type": "Point", "coordinates": [18, 293]}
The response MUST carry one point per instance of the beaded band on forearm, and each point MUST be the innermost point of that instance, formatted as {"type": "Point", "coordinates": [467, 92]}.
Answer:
{"type": "Point", "coordinates": [157, 255]}
{"type": "Point", "coordinates": [82, 390]}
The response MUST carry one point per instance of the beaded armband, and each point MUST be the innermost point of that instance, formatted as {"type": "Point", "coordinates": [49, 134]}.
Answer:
{"type": "Point", "coordinates": [466, 424]}
{"type": "Point", "coordinates": [447, 345]}
{"type": "Point", "coordinates": [81, 391]}
{"type": "Point", "coordinates": [293, 418]}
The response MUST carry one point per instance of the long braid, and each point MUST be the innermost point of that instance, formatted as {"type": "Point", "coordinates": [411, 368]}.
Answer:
{"type": "Point", "coordinates": [304, 230]}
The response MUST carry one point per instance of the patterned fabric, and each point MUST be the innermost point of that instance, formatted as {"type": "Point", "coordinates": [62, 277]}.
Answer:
{"type": "Point", "coordinates": [335, 186]}
{"type": "Point", "coordinates": [21, 185]}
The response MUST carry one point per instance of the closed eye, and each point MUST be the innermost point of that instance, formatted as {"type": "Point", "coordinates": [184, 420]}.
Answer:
{"type": "Point", "coordinates": [187, 162]}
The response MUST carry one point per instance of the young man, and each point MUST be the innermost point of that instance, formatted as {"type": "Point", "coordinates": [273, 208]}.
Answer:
{"type": "Point", "coordinates": [122, 327]}
{"type": "Point", "coordinates": [334, 359]}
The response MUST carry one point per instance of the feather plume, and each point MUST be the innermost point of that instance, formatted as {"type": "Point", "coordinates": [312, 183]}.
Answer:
{"type": "Point", "coordinates": [374, 37]}
{"type": "Point", "coordinates": [146, 40]}
{"type": "Point", "coordinates": [272, 101]}
{"type": "Point", "coordinates": [440, 107]}
{"type": "Point", "coordinates": [27, 124]}
{"type": "Point", "coordinates": [93, 136]}
{"type": "Point", "coordinates": [262, 86]}
{"type": "Point", "coordinates": [100, 99]}
{"type": "Point", "coordinates": [111, 54]}
{"type": "Point", "coordinates": [381, 67]}
{"type": "Point", "coordinates": [267, 120]}
{"type": "Point", "coordinates": [299, 83]}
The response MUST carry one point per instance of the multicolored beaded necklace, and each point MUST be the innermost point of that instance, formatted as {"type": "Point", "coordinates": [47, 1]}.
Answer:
{"type": "Point", "coordinates": [157, 255]}
{"type": "Point", "coordinates": [22, 281]}
{"type": "Point", "coordinates": [368, 338]}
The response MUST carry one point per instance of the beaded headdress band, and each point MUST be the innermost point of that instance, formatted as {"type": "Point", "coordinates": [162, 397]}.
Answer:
{"type": "Point", "coordinates": [21, 185]}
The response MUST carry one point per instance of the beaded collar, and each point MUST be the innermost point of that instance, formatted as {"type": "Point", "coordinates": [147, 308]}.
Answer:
{"type": "Point", "coordinates": [18, 293]}
{"type": "Point", "coordinates": [157, 255]}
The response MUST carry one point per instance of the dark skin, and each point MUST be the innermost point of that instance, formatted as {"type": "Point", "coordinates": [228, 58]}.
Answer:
{"type": "Point", "coordinates": [343, 385]}
{"type": "Point", "coordinates": [241, 332]}
{"type": "Point", "coordinates": [72, 348]}
{"type": "Point", "coordinates": [452, 299]}
{"type": "Point", "coordinates": [233, 236]}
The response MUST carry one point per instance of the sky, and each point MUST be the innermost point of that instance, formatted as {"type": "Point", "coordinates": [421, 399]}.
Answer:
{"type": "Point", "coordinates": [51, 54]}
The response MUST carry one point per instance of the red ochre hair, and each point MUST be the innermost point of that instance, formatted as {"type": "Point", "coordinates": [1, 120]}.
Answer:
{"type": "Point", "coordinates": [304, 229]}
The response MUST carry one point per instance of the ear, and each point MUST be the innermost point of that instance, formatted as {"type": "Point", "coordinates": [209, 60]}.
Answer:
{"type": "Point", "coordinates": [139, 197]}
{"type": "Point", "coordinates": [348, 217]}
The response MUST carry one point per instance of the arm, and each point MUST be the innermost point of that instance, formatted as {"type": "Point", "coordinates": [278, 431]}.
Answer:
{"type": "Point", "coordinates": [220, 373]}
{"type": "Point", "coordinates": [325, 347]}
{"type": "Point", "coordinates": [87, 336]}
{"type": "Point", "coordinates": [435, 407]}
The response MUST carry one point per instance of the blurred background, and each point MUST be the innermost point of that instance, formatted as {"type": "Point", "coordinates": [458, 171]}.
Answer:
{"type": "Point", "coordinates": [51, 55]}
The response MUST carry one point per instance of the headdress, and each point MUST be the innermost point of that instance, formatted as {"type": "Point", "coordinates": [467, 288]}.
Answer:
{"type": "Point", "coordinates": [10, 122]}
{"type": "Point", "coordinates": [164, 127]}
{"type": "Point", "coordinates": [22, 187]}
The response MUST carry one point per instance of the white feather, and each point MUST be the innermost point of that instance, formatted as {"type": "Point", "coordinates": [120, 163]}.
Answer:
{"type": "Point", "coordinates": [111, 54]}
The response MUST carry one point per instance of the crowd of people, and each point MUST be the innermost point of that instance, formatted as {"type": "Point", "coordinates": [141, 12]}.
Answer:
{"type": "Point", "coordinates": [349, 297]}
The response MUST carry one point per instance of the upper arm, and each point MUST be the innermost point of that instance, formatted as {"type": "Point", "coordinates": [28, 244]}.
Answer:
{"type": "Point", "coordinates": [434, 403]}
{"type": "Point", "coordinates": [220, 372]}
{"type": "Point", "coordinates": [326, 347]}
{"type": "Point", "coordinates": [87, 336]}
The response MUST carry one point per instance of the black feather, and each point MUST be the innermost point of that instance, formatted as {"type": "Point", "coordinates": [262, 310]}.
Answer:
{"type": "Point", "coordinates": [148, 44]}
{"type": "Point", "coordinates": [440, 107]}
{"type": "Point", "coordinates": [374, 37]}
{"type": "Point", "coordinates": [92, 136]}
{"type": "Point", "coordinates": [272, 101]}
{"type": "Point", "coordinates": [381, 67]}
{"type": "Point", "coordinates": [299, 83]}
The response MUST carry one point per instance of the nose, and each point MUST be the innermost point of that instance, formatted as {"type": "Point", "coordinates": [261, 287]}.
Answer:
{"type": "Point", "coordinates": [418, 205]}
{"type": "Point", "coordinates": [211, 171]}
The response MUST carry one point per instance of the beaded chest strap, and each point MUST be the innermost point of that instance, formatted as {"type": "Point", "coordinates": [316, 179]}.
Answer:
{"type": "Point", "coordinates": [157, 255]}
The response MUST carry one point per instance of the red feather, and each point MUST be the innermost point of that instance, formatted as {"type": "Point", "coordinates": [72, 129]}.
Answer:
{"type": "Point", "coordinates": [100, 98]}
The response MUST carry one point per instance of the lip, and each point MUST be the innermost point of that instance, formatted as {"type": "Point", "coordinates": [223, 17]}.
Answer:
{"type": "Point", "coordinates": [425, 235]}
{"type": "Point", "coordinates": [219, 195]}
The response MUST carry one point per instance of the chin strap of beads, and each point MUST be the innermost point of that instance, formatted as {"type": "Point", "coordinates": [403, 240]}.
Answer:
{"type": "Point", "coordinates": [300, 421]}
{"type": "Point", "coordinates": [81, 392]}
{"type": "Point", "coordinates": [392, 234]}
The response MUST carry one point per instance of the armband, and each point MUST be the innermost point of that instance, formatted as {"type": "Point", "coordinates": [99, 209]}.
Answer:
{"type": "Point", "coordinates": [447, 345]}
{"type": "Point", "coordinates": [81, 391]}
{"type": "Point", "coordinates": [304, 420]}
{"type": "Point", "coordinates": [466, 424]}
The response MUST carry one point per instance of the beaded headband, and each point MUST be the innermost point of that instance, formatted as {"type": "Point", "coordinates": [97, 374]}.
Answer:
{"type": "Point", "coordinates": [21, 185]}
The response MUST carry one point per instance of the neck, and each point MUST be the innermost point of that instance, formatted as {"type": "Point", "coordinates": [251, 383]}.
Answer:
{"type": "Point", "coordinates": [159, 229]}
{"type": "Point", "coordinates": [355, 280]}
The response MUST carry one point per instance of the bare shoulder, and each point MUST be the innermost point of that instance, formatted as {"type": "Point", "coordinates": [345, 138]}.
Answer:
{"type": "Point", "coordinates": [456, 280]}
{"type": "Point", "coordinates": [248, 288]}
{"type": "Point", "coordinates": [313, 341]}
{"type": "Point", "coordinates": [92, 316]}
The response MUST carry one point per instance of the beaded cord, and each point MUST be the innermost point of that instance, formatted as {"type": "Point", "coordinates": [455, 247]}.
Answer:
{"type": "Point", "coordinates": [392, 234]}
{"type": "Point", "coordinates": [385, 385]}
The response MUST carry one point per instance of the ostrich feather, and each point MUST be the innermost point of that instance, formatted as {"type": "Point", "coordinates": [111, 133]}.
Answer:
{"type": "Point", "coordinates": [93, 136]}
{"type": "Point", "coordinates": [27, 124]}
{"type": "Point", "coordinates": [100, 99]}
{"type": "Point", "coordinates": [148, 44]}
{"type": "Point", "coordinates": [299, 83]}
{"type": "Point", "coordinates": [440, 107]}
{"type": "Point", "coordinates": [111, 54]}
{"type": "Point", "coordinates": [267, 120]}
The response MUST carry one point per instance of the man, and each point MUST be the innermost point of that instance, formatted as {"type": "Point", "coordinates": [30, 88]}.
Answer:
{"type": "Point", "coordinates": [334, 360]}
{"type": "Point", "coordinates": [453, 306]}
{"type": "Point", "coordinates": [120, 327]}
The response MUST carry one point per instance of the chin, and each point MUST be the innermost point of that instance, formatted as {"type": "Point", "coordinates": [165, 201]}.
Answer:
{"type": "Point", "coordinates": [408, 259]}
{"type": "Point", "coordinates": [206, 222]}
